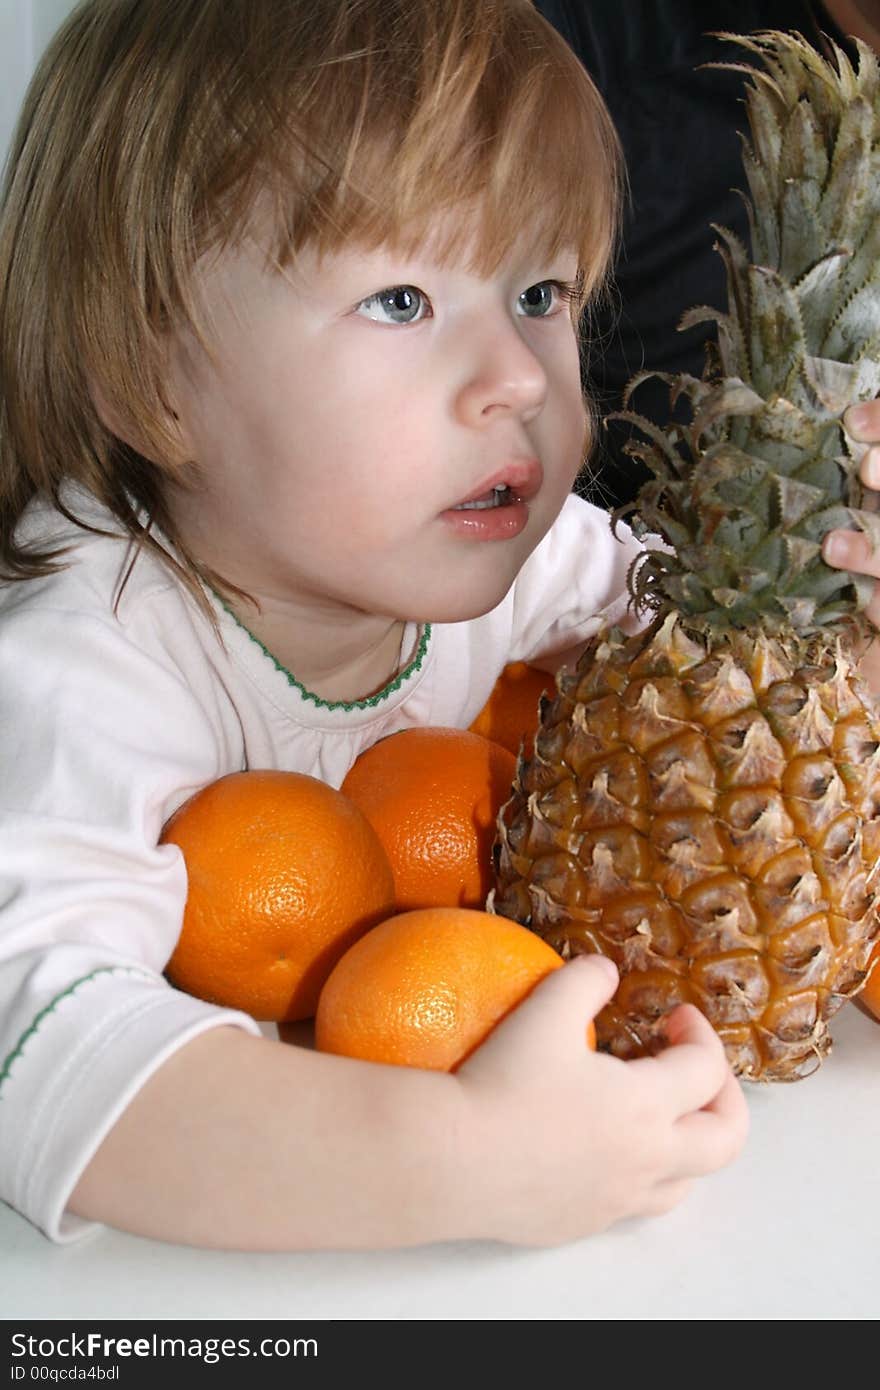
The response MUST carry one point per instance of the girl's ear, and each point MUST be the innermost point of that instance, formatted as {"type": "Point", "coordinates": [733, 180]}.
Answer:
{"type": "Point", "coordinates": [174, 449]}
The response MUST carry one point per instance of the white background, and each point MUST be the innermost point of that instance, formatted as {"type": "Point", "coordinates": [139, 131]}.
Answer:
{"type": "Point", "coordinates": [25, 28]}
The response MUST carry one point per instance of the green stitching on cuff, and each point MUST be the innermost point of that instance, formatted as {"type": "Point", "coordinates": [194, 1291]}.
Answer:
{"type": "Point", "coordinates": [372, 700]}
{"type": "Point", "coordinates": [71, 989]}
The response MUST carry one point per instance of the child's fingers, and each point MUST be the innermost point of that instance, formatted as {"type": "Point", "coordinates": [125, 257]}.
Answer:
{"type": "Point", "coordinates": [667, 1195]}
{"type": "Point", "coordinates": [566, 1001]}
{"type": "Point", "coordinates": [712, 1138]}
{"type": "Point", "coordinates": [555, 1015]}
{"type": "Point", "coordinates": [693, 1069]}
{"type": "Point", "coordinates": [713, 1118]}
{"type": "Point", "coordinates": [729, 1104]}
{"type": "Point", "coordinates": [686, 1023]}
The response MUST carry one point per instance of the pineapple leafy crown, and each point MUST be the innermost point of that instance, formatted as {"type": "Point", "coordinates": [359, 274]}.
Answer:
{"type": "Point", "coordinates": [746, 490]}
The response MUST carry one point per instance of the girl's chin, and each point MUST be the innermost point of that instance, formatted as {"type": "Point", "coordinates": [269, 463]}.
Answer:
{"type": "Point", "coordinates": [463, 609]}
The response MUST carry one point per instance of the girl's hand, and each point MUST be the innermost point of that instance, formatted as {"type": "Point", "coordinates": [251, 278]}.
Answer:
{"type": "Point", "coordinates": [852, 550]}
{"type": "Point", "coordinates": [571, 1140]}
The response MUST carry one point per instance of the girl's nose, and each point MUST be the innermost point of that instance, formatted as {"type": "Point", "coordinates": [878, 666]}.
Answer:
{"type": "Point", "coordinates": [506, 377]}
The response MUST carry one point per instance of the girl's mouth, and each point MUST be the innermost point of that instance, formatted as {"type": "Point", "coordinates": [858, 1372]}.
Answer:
{"type": "Point", "coordinates": [498, 514]}
{"type": "Point", "coordinates": [499, 496]}
{"type": "Point", "coordinates": [498, 509]}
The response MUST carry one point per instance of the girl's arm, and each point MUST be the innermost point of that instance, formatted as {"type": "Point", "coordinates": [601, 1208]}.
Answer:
{"type": "Point", "coordinates": [243, 1143]}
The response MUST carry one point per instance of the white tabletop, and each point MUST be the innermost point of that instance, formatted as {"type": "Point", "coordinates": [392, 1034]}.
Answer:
{"type": "Point", "coordinates": [791, 1230]}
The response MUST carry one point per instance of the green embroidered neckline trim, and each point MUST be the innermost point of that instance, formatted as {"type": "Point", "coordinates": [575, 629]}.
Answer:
{"type": "Point", "coordinates": [371, 701]}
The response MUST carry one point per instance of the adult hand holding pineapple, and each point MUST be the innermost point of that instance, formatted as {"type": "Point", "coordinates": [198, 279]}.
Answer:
{"type": "Point", "coordinates": [853, 550]}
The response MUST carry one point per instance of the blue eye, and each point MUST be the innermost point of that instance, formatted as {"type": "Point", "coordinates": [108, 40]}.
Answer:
{"type": "Point", "coordinates": [400, 304]}
{"type": "Point", "coordinates": [540, 300]}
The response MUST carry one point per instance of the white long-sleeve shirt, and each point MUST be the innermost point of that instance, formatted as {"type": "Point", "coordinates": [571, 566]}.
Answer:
{"type": "Point", "coordinates": [109, 720]}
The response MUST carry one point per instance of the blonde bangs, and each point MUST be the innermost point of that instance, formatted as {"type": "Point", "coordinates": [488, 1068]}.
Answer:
{"type": "Point", "coordinates": [483, 105]}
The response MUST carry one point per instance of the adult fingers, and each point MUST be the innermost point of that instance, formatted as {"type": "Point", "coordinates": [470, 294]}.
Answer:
{"type": "Point", "coordinates": [869, 469]}
{"type": "Point", "coordinates": [863, 421]}
{"type": "Point", "coordinates": [852, 550]}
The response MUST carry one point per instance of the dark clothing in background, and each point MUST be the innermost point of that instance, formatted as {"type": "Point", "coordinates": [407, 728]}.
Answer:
{"type": "Point", "coordinates": [679, 129]}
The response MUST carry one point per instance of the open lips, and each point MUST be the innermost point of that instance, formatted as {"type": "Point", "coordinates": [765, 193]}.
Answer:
{"type": "Point", "coordinates": [518, 482]}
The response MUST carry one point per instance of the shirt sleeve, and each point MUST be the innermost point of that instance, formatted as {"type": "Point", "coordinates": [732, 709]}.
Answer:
{"type": "Point", "coordinates": [99, 740]}
{"type": "Point", "coordinates": [573, 583]}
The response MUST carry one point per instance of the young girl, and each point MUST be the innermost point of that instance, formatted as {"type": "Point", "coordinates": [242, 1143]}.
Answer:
{"type": "Point", "coordinates": [291, 411]}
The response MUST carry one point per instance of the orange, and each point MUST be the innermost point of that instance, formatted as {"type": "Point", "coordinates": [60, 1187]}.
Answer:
{"type": "Point", "coordinates": [425, 988]}
{"type": "Point", "coordinates": [510, 715]}
{"type": "Point", "coordinates": [869, 994]}
{"type": "Point", "coordinates": [433, 796]}
{"type": "Point", "coordinates": [284, 873]}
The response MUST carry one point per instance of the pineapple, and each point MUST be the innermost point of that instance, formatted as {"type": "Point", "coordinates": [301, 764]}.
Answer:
{"type": "Point", "coordinates": [703, 801]}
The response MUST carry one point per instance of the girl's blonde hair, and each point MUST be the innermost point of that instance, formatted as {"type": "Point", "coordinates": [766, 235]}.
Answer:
{"type": "Point", "coordinates": [151, 130]}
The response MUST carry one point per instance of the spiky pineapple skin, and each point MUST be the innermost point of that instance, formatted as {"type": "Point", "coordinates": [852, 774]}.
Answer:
{"type": "Point", "coordinates": [703, 800]}
{"type": "Point", "coordinates": [710, 819]}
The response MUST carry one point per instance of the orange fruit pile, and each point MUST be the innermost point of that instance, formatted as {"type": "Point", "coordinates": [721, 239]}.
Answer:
{"type": "Point", "coordinates": [433, 796]}
{"type": "Point", "coordinates": [284, 873]}
{"type": "Point", "coordinates": [510, 715]}
{"type": "Point", "coordinates": [425, 988]}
